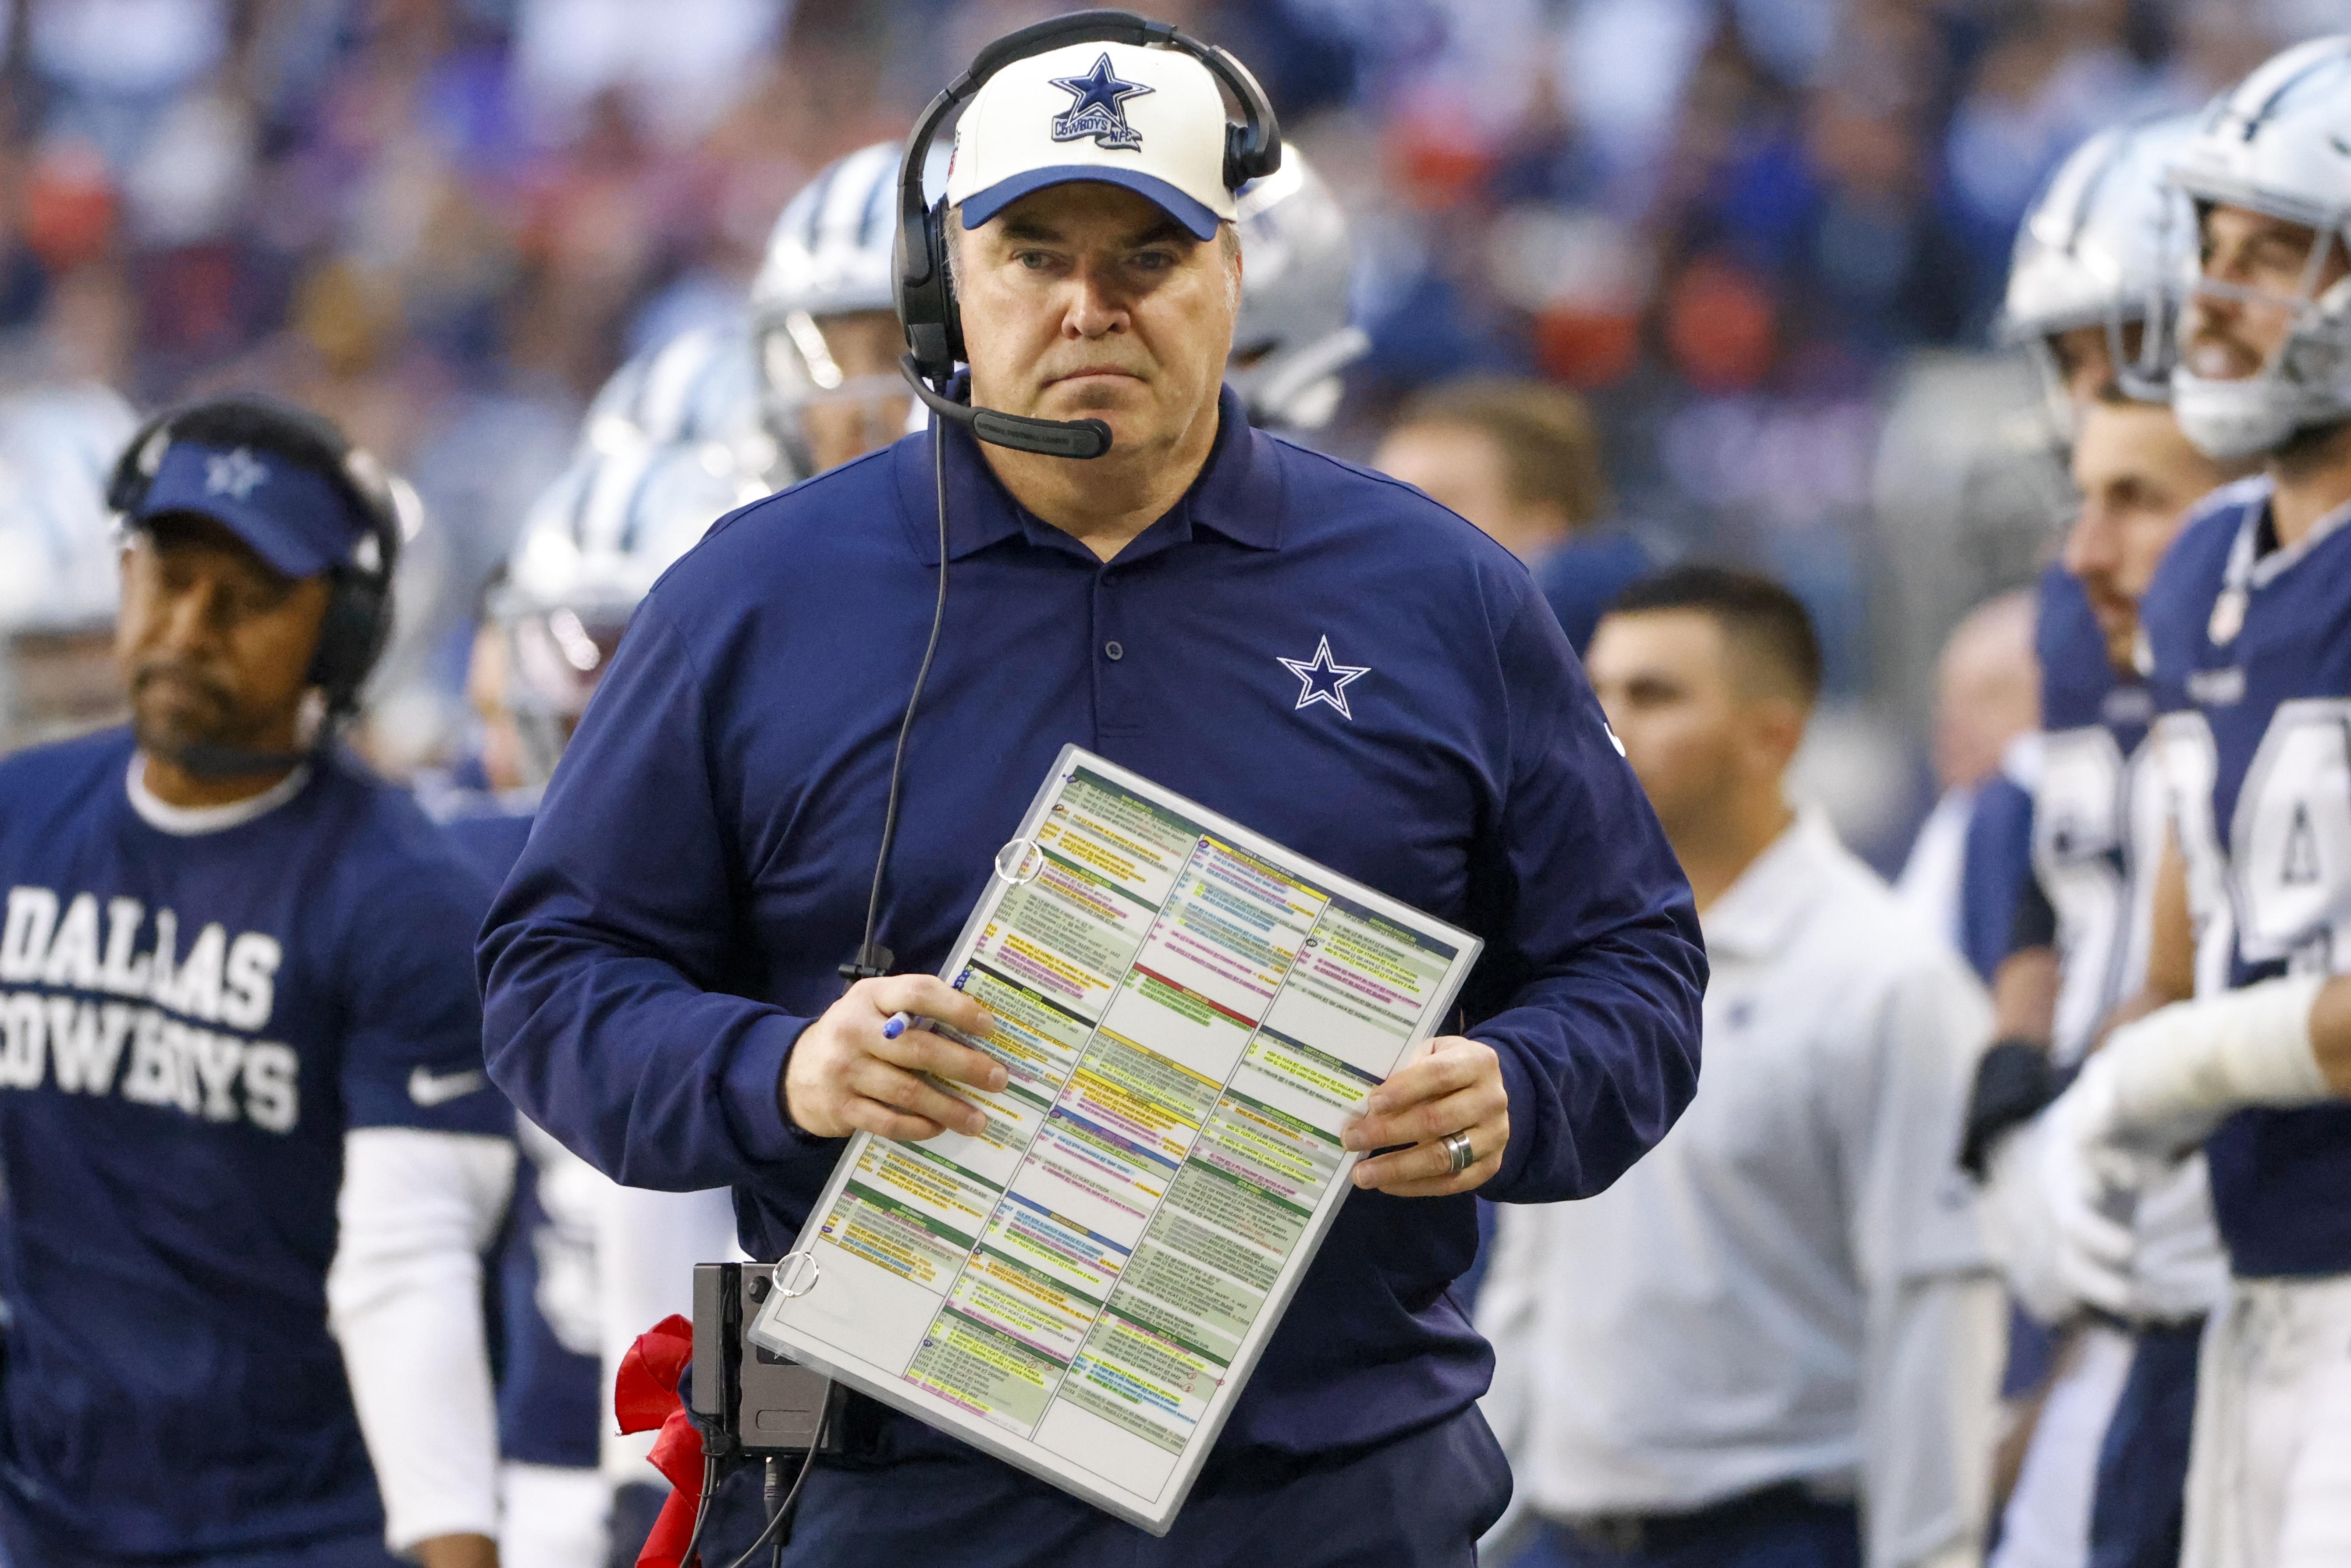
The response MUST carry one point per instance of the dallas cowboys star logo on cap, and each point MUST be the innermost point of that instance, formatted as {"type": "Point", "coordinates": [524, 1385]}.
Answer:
{"type": "Point", "coordinates": [1100, 109]}
{"type": "Point", "coordinates": [1320, 680]}
{"type": "Point", "coordinates": [233, 474]}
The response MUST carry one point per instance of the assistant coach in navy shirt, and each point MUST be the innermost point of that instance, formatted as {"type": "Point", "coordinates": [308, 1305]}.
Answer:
{"type": "Point", "coordinates": [249, 1158]}
{"type": "Point", "coordinates": [1324, 655]}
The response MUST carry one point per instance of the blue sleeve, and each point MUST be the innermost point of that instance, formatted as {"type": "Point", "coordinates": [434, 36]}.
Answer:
{"type": "Point", "coordinates": [412, 1053]}
{"type": "Point", "coordinates": [606, 960]}
{"type": "Point", "coordinates": [1998, 860]}
{"type": "Point", "coordinates": [1594, 969]}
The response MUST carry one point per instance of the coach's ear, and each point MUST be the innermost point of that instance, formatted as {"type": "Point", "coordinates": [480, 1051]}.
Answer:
{"type": "Point", "coordinates": [1771, 729]}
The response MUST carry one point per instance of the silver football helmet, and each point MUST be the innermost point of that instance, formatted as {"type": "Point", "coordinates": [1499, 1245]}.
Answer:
{"type": "Point", "coordinates": [2092, 253]}
{"type": "Point", "coordinates": [829, 255]}
{"type": "Point", "coordinates": [59, 561]}
{"type": "Point", "coordinates": [700, 389]}
{"type": "Point", "coordinates": [2278, 142]}
{"type": "Point", "coordinates": [618, 517]}
{"type": "Point", "coordinates": [1292, 337]}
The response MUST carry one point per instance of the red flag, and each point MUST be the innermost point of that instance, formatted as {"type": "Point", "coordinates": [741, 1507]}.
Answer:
{"type": "Point", "coordinates": [645, 1395]}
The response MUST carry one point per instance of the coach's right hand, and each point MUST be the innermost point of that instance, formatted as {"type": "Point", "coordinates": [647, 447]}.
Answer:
{"type": "Point", "coordinates": [843, 1077]}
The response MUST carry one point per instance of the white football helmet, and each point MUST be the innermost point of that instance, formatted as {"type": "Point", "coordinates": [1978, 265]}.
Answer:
{"type": "Point", "coordinates": [59, 555]}
{"type": "Point", "coordinates": [701, 388]}
{"type": "Point", "coordinates": [2278, 142]}
{"type": "Point", "coordinates": [830, 254]}
{"type": "Point", "coordinates": [617, 519]}
{"type": "Point", "coordinates": [58, 546]}
{"type": "Point", "coordinates": [1292, 337]}
{"type": "Point", "coordinates": [2092, 253]}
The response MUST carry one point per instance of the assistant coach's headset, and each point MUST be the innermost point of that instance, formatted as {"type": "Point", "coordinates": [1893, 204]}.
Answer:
{"type": "Point", "coordinates": [924, 289]}
{"type": "Point", "coordinates": [358, 614]}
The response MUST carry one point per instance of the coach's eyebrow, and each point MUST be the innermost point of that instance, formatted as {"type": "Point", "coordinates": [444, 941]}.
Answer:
{"type": "Point", "coordinates": [1031, 228]}
{"type": "Point", "coordinates": [1165, 229]}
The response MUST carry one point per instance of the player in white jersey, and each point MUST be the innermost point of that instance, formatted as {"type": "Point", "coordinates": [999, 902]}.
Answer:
{"type": "Point", "coordinates": [2248, 639]}
{"type": "Point", "coordinates": [58, 562]}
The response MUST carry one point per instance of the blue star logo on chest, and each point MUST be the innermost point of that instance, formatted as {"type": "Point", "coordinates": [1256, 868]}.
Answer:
{"type": "Point", "coordinates": [1100, 109]}
{"type": "Point", "coordinates": [1322, 679]}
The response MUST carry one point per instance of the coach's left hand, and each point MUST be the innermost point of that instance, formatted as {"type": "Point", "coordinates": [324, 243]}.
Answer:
{"type": "Point", "coordinates": [1456, 1088]}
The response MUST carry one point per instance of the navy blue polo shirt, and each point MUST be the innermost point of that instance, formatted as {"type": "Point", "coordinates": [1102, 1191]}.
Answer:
{"type": "Point", "coordinates": [1321, 653]}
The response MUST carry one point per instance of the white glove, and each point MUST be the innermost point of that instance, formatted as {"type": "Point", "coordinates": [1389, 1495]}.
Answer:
{"type": "Point", "coordinates": [2020, 1220]}
{"type": "Point", "coordinates": [2166, 1081]}
{"type": "Point", "coordinates": [2091, 1188]}
{"type": "Point", "coordinates": [2179, 1268]}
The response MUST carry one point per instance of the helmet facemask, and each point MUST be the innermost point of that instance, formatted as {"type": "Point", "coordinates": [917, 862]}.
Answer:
{"type": "Point", "coordinates": [2303, 382]}
{"type": "Point", "coordinates": [821, 412]}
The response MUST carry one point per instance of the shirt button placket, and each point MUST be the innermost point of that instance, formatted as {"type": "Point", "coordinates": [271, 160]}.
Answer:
{"type": "Point", "coordinates": [1110, 677]}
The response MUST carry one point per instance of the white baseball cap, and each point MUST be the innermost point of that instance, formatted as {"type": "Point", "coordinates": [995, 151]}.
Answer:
{"type": "Point", "coordinates": [1150, 119]}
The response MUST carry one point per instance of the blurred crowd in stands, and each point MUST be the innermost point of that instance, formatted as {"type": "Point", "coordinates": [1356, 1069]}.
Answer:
{"type": "Point", "coordinates": [1752, 233]}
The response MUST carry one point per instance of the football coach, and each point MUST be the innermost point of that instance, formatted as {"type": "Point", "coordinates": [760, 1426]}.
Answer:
{"type": "Point", "coordinates": [1324, 655]}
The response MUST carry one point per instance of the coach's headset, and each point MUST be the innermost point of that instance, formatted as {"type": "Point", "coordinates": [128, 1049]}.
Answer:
{"type": "Point", "coordinates": [923, 291]}
{"type": "Point", "coordinates": [358, 615]}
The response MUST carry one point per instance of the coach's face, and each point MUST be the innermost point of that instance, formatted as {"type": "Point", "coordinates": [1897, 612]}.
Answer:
{"type": "Point", "coordinates": [214, 645]}
{"type": "Point", "coordinates": [1084, 300]}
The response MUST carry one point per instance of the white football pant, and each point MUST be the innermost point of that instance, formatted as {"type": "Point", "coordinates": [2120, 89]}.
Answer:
{"type": "Point", "coordinates": [2269, 1479]}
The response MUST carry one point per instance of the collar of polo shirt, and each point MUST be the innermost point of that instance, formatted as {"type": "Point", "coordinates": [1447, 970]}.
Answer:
{"type": "Point", "coordinates": [1235, 494]}
{"type": "Point", "coordinates": [1757, 915]}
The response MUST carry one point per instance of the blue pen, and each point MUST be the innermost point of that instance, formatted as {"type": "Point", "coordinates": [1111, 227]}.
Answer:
{"type": "Point", "coordinates": [898, 1024]}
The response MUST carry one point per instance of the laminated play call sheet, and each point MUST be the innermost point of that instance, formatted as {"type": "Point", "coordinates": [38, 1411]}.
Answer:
{"type": "Point", "coordinates": [1189, 1013]}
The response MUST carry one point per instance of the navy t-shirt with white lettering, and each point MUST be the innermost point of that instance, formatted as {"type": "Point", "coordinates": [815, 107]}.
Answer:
{"type": "Point", "coordinates": [189, 1024]}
